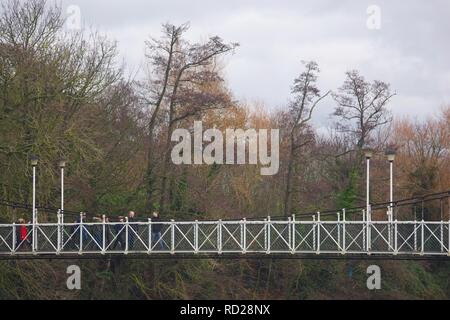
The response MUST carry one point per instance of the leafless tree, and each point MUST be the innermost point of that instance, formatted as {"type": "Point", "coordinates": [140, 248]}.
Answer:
{"type": "Point", "coordinates": [362, 107]}
{"type": "Point", "coordinates": [180, 72]}
{"type": "Point", "coordinates": [306, 97]}
{"type": "Point", "coordinates": [161, 55]}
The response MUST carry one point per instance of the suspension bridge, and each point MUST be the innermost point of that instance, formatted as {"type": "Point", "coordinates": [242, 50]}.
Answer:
{"type": "Point", "coordinates": [406, 229]}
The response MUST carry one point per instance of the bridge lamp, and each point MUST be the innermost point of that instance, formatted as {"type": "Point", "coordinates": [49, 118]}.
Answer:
{"type": "Point", "coordinates": [368, 153]}
{"type": "Point", "coordinates": [390, 154]}
{"type": "Point", "coordinates": [34, 162]}
{"type": "Point", "coordinates": [62, 166]}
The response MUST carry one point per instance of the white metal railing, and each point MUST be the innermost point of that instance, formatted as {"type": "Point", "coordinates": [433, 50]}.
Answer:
{"type": "Point", "coordinates": [221, 237]}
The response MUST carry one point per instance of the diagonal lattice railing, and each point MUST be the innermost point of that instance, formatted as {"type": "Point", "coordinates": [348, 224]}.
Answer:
{"type": "Point", "coordinates": [222, 237]}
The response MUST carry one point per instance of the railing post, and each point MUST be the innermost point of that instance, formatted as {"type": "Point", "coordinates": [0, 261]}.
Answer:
{"type": "Point", "coordinates": [80, 226]}
{"type": "Point", "coordinates": [149, 235]}
{"type": "Point", "coordinates": [314, 233]}
{"type": "Point", "coordinates": [34, 235]}
{"type": "Point", "coordinates": [290, 233]}
{"type": "Point", "coordinates": [240, 235]}
{"type": "Point", "coordinates": [318, 233]}
{"type": "Point", "coordinates": [389, 227]}
{"type": "Point", "coordinates": [268, 234]}
{"type": "Point", "coordinates": [293, 234]}
{"type": "Point", "coordinates": [368, 223]}
{"type": "Point", "coordinates": [422, 235]}
{"type": "Point", "coordinates": [244, 236]}
{"type": "Point", "coordinates": [126, 235]}
{"type": "Point", "coordinates": [219, 237]}
{"type": "Point", "coordinates": [442, 236]}
{"type": "Point", "coordinates": [344, 249]}
{"type": "Point", "coordinates": [58, 236]}
{"type": "Point", "coordinates": [14, 238]}
{"type": "Point", "coordinates": [104, 234]}
{"type": "Point", "coordinates": [172, 236]}
{"type": "Point", "coordinates": [62, 229]}
{"type": "Point", "coordinates": [415, 235]}
{"type": "Point", "coordinates": [265, 235]}
{"type": "Point", "coordinates": [364, 229]}
{"type": "Point", "coordinates": [448, 243]}
{"type": "Point", "coordinates": [196, 236]}
{"type": "Point", "coordinates": [396, 237]}
{"type": "Point", "coordinates": [339, 230]}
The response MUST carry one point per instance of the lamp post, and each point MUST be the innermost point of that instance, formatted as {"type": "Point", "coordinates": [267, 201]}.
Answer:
{"type": "Point", "coordinates": [368, 153]}
{"type": "Point", "coordinates": [62, 166]}
{"type": "Point", "coordinates": [390, 154]}
{"type": "Point", "coordinates": [34, 163]}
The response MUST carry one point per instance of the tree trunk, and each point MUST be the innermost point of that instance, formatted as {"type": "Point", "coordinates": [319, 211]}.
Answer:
{"type": "Point", "coordinates": [149, 174]}
{"type": "Point", "coordinates": [164, 171]}
{"type": "Point", "coordinates": [288, 190]}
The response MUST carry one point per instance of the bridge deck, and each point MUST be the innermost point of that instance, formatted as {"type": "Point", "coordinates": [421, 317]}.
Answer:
{"type": "Point", "coordinates": [288, 239]}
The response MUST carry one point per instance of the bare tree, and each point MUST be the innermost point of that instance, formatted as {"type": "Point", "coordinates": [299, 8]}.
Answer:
{"type": "Point", "coordinates": [58, 97]}
{"type": "Point", "coordinates": [362, 107]}
{"type": "Point", "coordinates": [181, 72]}
{"type": "Point", "coordinates": [29, 24]}
{"type": "Point", "coordinates": [161, 55]}
{"type": "Point", "coordinates": [306, 98]}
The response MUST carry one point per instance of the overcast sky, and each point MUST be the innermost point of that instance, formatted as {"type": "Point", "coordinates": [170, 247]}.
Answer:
{"type": "Point", "coordinates": [411, 50]}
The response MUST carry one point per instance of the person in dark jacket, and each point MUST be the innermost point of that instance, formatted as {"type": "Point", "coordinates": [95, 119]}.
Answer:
{"type": "Point", "coordinates": [156, 231]}
{"type": "Point", "coordinates": [131, 235]}
{"type": "Point", "coordinates": [97, 232]}
{"type": "Point", "coordinates": [108, 232]}
{"type": "Point", "coordinates": [119, 234]}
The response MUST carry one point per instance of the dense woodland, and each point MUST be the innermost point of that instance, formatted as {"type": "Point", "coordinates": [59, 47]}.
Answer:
{"type": "Point", "coordinates": [66, 95]}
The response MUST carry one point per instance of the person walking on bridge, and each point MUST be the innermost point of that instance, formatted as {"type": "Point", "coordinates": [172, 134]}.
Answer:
{"type": "Point", "coordinates": [132, 229]}
{"type": "Point", "coordinates": [21, 234]}
{"type": "Point", "coordinates": [156, 231]}
{"type": "Point", "coordinates": [119, 231]}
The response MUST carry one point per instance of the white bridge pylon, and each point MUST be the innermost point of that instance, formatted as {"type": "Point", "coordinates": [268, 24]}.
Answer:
{"type": "Point", "coordinates": [265, 237]}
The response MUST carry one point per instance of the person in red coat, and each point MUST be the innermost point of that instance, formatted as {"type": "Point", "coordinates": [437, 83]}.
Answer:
{"type": "Point", "coordinates": [22, 231]}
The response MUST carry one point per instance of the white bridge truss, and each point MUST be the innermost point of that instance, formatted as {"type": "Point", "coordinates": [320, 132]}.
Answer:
{"type": "Point", "coordinates": [291, 237]}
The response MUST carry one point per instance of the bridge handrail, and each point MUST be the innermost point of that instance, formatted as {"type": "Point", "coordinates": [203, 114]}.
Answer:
{"type": "Point", "coordinates": [420, 238]}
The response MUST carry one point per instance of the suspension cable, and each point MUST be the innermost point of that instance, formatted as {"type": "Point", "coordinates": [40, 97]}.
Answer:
{"type": "Point", "coordinates": [332, 212]}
